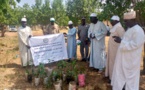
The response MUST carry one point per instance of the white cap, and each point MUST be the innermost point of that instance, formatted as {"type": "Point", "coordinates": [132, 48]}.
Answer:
{"type": "Point", "coordinates": [93, 15]}
{"type": "Point", "coordinates": [24, 19]}
{"type": "Point", "coordinates": [115, 17]}
{"type": "Point", "coordinates": [130, 15]}
{"type": "Point", "coordinates": [70, 22]}
{"type": "Point", "coordinates": [52, 19]}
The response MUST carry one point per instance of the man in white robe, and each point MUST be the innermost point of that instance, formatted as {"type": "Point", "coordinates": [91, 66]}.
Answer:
{"type": "Point", "coordinates": [126, 72]}
{"type": "Point", "coordinates": [71, 41]}
{"type": "Point", "coordinates": [24, 33]}
{"type": "Point", "coordinates": [97, 32]}
{"type": "Point", "coordinates": [117, 30]}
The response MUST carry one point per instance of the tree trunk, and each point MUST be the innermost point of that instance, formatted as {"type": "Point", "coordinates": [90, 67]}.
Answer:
{"type": "Point", "coordinates": [3, 30]}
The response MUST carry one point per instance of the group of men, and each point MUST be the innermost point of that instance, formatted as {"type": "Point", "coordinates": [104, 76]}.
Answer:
{"type": "Point", "coordinates": [124, 47]}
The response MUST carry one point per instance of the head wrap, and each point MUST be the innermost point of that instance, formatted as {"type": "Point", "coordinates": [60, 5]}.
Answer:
{"type": "Point", "coordinates": [115, 17]}
{"type": "Point", "coordinates": [70, 22]}
{"type": "Point", "coordinates": [52, 19]}
{"type": "Point", "coordinates": [93, 15]}
{"type": "Point", "coordinates": [130, 15]}
{"type": "Point", "coordinates": [24, 19]}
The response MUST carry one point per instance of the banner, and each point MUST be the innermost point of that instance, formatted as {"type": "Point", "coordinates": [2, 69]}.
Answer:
{"type": "Point", "coordinates": [48, 48]}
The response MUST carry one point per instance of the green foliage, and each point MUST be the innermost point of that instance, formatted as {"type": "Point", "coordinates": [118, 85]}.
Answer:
{"type": "Point", "coordinates": [114, 7]}
{"type": "Point", "coordinates": [27, 71]}
{"type": "Point", "coordinates": [59, 13]}
{"type": "Point", "coordinates": [7, 15]}
{"type": "Point", "coordinates": [41, 71]}
{"type": "Point", "coordinates": [80, 8]}
{"type": "Point", "coordinates": [40, 13]}
{"type": "Point", "coordinates": [57, 75]}
{"type": "Point", "coordinates": [61, 65]}
{"type": "Point", "coordinates": [82, 70]}
{"type": "Point", "coordinates": [72, 70]}
{"type": "Point", "coordinates": [6, 10]}
{"type": "Point", "coordinates": [140, 8]}
{"type": "Point", "coordinates": [43, 14]}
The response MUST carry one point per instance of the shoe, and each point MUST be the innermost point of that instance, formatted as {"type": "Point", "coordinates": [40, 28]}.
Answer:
{"type": "Point", "coordinates": [69, 60]}
{"type": "Point", "coordinates": [95, 70]}
{"type": "Point", "coordinates": [109, 81]}
{"type": "Point", "coordinates": [123, 88]}
{"type": "Point", "coordinates": [83, 60]}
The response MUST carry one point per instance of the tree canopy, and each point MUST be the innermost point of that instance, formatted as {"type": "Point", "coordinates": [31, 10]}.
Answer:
{"type": "Point", "coordinates": [40, 12]}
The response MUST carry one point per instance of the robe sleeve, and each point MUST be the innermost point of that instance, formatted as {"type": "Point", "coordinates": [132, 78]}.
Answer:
{"type": "Point", "coordinates": [57, 29]}
{"type": "Point", "coordinates": [30, 34]}
{"type": "Point", "coordinates": [30, 31]}
{"type": "Point", "coordinates": [102, 33]}
{"type": "Point", "coordinates": [89, 32]}
{"type": "Point", "coordinates": [23, 39]}
{"type": "Point", "coordinates": [72, 32]}
{"type": "Point", "coordinates": [136, 42]}
{"type": "Point", "coordinates": [79, 32]}
{"type": "Point", "coordinates": [120, 32]}
{"type": "Point", "coordinates": [47, 30]}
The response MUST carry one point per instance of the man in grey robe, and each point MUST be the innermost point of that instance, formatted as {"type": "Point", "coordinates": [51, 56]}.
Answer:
{"type": "Point", "coordinates": [83, 37]}
{"type": "Point", "coordinates": [97, 32]}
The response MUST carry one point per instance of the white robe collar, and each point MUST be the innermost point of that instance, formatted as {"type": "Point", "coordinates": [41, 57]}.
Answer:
{"type": "Point", "coordinates": [115, 27]}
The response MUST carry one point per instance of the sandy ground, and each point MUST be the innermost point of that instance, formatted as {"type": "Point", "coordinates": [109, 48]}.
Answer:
{"type": "Point", "coordinates": [12, 75]}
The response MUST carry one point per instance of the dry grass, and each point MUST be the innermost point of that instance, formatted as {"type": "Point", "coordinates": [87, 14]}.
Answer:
{"type": "Point", "coordinates": [12, 75]}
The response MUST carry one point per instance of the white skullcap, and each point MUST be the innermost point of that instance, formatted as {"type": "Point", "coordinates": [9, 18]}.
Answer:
{"type": "Point", "coordinates": [130, 15]}
{"type": "Point", "coordinates": [70, 22]}
{"type": "Point", "coordinates": [24, 19]}
{"type": "Point", "coordinates": [52, 19]}
{"type": "Point", "coordinates": [93, 15]}
{"type": "Point", "coordinates": [115, 17]}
